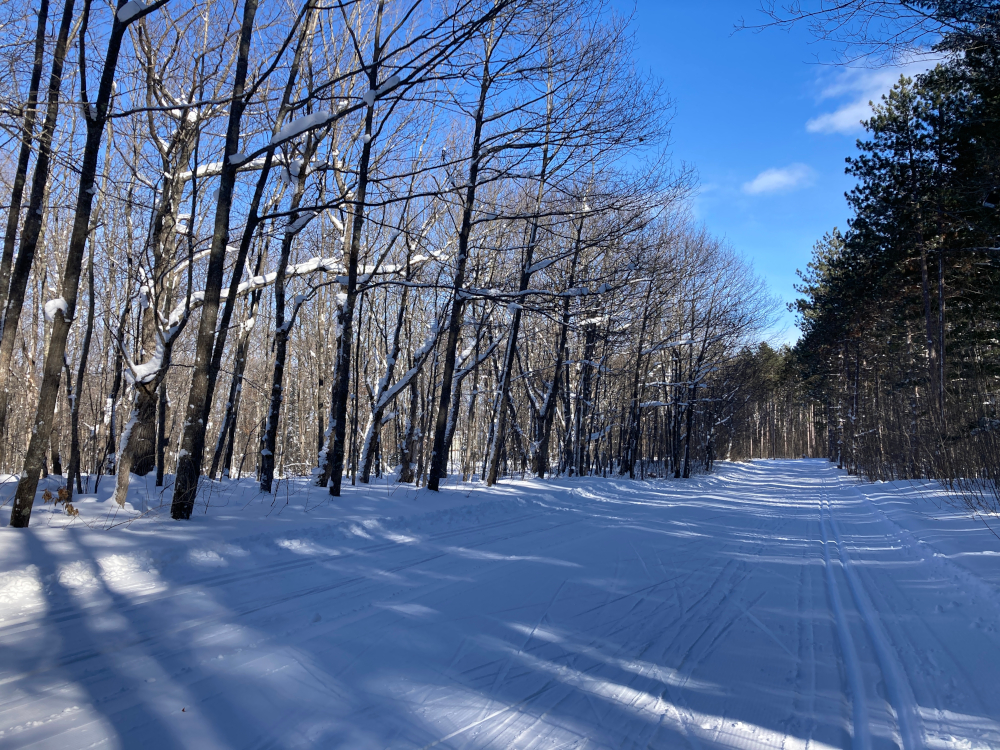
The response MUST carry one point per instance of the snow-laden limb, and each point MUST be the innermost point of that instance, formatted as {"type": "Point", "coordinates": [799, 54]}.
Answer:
{"type": "Point", "coordinates": [53, 306]}
{"type": "Point", "coordinates": [389, 83]}
{"type": "Point", "coordinates": [333, 264]}
{"type": "Point", "coordinates": [147, 371]}
{"type": "Point", "coordinates": [214, 169]}
{"type": "Point", "coordinates": [130, 10]}
{"type": "Point", "coordinates": [301, 125]}
{"type": "Point", "coordinates": [371, 95]}
{"type": "Point", "coordinates": [300, 223]}
{"type": "Point", "coordinates": [200, 255]}
{"type": "Point", "coordinates": [419, 357]}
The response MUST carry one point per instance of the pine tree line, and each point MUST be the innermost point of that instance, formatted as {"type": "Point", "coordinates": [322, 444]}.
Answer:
{"type": "Point", "coordinates": [898, 359]}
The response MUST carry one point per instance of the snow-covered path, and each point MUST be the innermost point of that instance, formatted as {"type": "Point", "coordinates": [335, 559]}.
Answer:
{"type": "Point", "coordinates": [772, 605]}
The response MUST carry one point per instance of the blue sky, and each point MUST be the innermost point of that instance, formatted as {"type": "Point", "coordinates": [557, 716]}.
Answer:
{"type": "Point", "coordinates": [766, 124]}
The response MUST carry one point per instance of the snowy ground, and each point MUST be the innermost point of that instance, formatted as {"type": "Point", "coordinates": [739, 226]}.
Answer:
{"type": "Point", "coordinates": [772, 605]}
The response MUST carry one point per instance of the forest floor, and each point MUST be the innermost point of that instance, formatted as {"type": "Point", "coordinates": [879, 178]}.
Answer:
{"type": "Point", "coordinates": [778, 604]}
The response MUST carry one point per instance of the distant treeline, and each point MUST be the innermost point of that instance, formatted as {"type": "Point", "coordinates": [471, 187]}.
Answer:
{"type": "Point", "coordinates": [899, 357]}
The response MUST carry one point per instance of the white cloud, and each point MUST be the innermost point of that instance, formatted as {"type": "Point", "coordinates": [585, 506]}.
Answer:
{"type": "Point", "coordinates": [859, 86]}
{"type": "Point", "coordinates": [845, 120]}
{"type": "Point", "coordinates": [781, 180]}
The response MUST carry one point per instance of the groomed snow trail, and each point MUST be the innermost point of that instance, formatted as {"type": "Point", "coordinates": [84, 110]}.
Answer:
{"type": "Point", "coordinates": [771, 605]}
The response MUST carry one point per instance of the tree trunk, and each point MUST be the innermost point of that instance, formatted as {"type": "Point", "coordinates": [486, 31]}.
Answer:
{"type": "Point", "coordinates": [342, 378]}
{"type": "Point", "coordinates": [55, 353]}
{"type": "Point", "coordinates": [193, 441]}
{"type": "Point", "coordinates": [410, 435]}
{"type": "Point", "coordinates": [33, 220]}
{"type": "Point", "coordinates": [281, 334]}
{"type": "Point", "coordinates": [632, 446]}
{"type": "Point", "coordinates": [224, 445]}
{"type": "Point", "coordinates": [30, 111]}
{"type": "Point", "coordinates": [548, 411]}
{"type": "Point", "coordinates": [581, 441]}
{"type": "Point", "coordinates": [74, 455]}
{"type": "Point", "coordinates": [439, 451]}
{"type": "Point", "coordinates": [381, 403]}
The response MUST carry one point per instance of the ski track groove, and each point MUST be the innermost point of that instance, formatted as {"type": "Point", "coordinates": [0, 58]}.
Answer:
{"type": "Point", "coordinates": [852, 664]}
{"type": "Point", "coordinates": [897, 686]}
{"type": "Point", "coordinates": [584, 664]}
{"type": "Point", "coordinates": [191, 625]}
{"type": "Point", "coordinates": [922, 659]}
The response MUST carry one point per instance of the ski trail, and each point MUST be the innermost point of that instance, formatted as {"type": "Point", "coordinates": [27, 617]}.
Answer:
{"type": "Point", "coordinates": [900, 693]}
{"type": "Point", "coordinates": [504, 668]}
{"type": "Point", "coordinates": [663, 615]}
{"type": "Point", "coordinates": [194, 625]}
{"type": "Point", "coordinates": [933, 556]}
{"type": "Point", "coordinates": [852, 665]}
{"type": "Point", "coordinates": [71, 614]}
{"type": "Point", "coordinates": [768, 632]}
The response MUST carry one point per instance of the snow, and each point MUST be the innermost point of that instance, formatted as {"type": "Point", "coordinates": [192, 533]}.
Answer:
{"type": "Point", "coordinates": [50, 308]}
{"type": "Point", "coordinates": [300, 222]}
{"type": "Point", "coordinates": [389, 83]}
{"type": "Point", "coordinates": [301, 125]}
{"type": "Point", "coordinates": [130, 10]}
{"type": "Point", "coordinates": [772, 604]}
{"type": "Point", "coordinates": [332, 264]}
{"type": "Point", "coordinates": [147, 371]}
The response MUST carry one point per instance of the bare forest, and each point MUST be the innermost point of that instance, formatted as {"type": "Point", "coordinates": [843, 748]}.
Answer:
{"type": "Point", "coordinates": [382, 238]}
